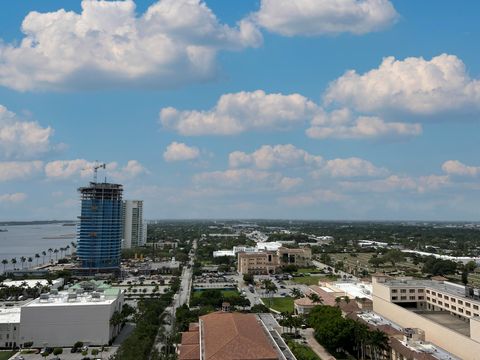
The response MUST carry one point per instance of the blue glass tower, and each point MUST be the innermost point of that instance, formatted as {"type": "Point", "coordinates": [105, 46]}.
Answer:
{"type": "Point", "coordinates": [100, 230]}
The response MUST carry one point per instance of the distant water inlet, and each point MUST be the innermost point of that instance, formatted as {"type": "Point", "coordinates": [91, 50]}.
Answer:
{"type": "Point", "coordinates": [37, 243]}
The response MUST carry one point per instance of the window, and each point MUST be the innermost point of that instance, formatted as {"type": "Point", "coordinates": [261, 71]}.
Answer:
{"type": "Point", "coordinates": [440, 303]}
{"type": "Point", "coordinates": [460, 310]}
{"type": "Point", "coordinates": [394, 291]}
{"type": "Point", "coordinates": [403, 298]}
{"type": "Point", "coordinates": [412, 297]}
{"type": "Point", "coordinates": [454, 307]}
{"type": "Point", "coordinates": [428, 298]}
{"type": "Point", "coordinates": [420, 298]}
{"type": "Point", "coordinates": [411, 291]}
{"type": "Point", "coordinates": [468, 313]}
{"type": "Point", "coordinates": [453, 300]}
{"type": "Point", "coordinates": [475, 307]}
{"type": "Point", "coordinates": [428, 291]}
{"type": "Point", "coordinates": [447, 306]}
{"type": "Point", "coordinates": [394, 297]}
{"type": "Point", "coordinates": [434, 293]}
{"type": "Point", "coordinates": [420, 290]}
{"type": "Point", "coordinates": [403, 291]}
{"type": "Point", "coordinates": [460, 302]}
{"type": "Point", "coordinates": [468, 305]}
{"type": "Point", "coordinates": [445, 297]}
{"type": "Point", "coordinates": [440, 296]}
{"type": "Point", "coordinates": [434, 301]}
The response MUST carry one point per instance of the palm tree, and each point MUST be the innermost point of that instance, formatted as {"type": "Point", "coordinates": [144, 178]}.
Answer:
{"type": "Point", "coordinates": [22, 260]}
{"type": "Point", "coordinates": [67, 248]}
{"type": "Point", "coordinates": [338, 299]}
{"type": "Point", "coordinates": [44, 253]}
{"type": "Point", "coordinates": [4, 262]}
{"type": "Point", "coordinates": [270, 288]}
{"type": "Point", "coordinates": [30, 259]}
{"type": "Point", "coordinates": [13, 261]}
{"type": "Point", "coordinates": [296, 293]}
{"type": "Point", "coordinates": [378, 342]}
{"type": "Point", "coordinates": [50, 253]}
{"type": "Point", "coordinates": [315, 298]}
{"type": "Point", "coordinates": [56, 254]}
{"type": "Point", "coordinates": [37, 256]}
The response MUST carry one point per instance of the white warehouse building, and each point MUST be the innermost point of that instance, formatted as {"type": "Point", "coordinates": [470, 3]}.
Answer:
{"type": "Point", "coordinates": [63, 318]}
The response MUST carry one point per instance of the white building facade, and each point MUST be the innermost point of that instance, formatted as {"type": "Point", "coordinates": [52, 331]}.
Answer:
{"type": "Point", "coordinates": [134, 226]}
{"type": "Point", "coordinates": [60, 320]}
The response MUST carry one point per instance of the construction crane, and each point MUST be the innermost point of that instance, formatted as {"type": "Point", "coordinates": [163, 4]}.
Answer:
{"type": "Point", "coordinates": [95, 170]}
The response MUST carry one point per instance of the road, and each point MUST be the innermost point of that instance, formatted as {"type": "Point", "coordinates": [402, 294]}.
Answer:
{"type": "Point", "coordinates": [182, 297]}
{"type": "Point", "coordinates": [341, 273]}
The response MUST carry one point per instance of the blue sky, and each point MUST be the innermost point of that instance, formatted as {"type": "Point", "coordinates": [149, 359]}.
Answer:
{"type": "Point", "coordinates": [334, 109]}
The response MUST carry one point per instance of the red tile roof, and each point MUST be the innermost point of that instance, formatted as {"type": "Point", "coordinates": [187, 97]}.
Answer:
{"type": "Point", "coordinates": [189, 352]}
{"type": "Point", "coordinates": [235, 336]}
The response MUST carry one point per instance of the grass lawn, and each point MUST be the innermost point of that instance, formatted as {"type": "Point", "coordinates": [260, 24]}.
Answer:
{"type": "Point", "coordinates": [279, 303]}
{"type": "Point", "coordinates": [5, 355]}
{"type": "Point", "coordinates": [225, 293]}
{"type": "Point", "coordinates": [302, 351]}
{"type": "Point", "coordinates": [313, 280]}
{"type": "Point", "coordinates": [307, 270]}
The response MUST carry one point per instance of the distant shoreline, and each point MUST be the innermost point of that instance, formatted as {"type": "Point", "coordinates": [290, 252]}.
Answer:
{"type": "Point", "coordinates": [40, 222]}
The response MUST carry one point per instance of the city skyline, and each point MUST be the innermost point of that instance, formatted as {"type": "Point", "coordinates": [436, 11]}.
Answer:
{"type": "Point", "coordinates": [366, 111]}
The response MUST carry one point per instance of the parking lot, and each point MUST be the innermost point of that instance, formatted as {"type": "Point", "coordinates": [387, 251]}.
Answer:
{"type": "Point", "coordinates": [67, 355]}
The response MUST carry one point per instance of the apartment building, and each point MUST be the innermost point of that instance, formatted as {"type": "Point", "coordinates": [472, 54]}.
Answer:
{"type": "Point", "coordinates": [447, 313]}
{"type": "Point", "coordinates": [269, 262]}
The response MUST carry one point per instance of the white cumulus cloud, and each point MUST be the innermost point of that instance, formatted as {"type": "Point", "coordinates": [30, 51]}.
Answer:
{"type": "Point", "coordinates": [22, 139]}
{"type": "Point", "coordinates": [413, 85]}
{"type": "Point", "coordinates": [11, 170]}
{"type": "Point", "coordinates": [349, 167]}
{"type": "Point", "coordinates": [107, 44]}
{"type": "Point", "coordinates": [180, 152]}
{"type": "Point", "coordinates": [455, 167]}
{"type": "Point", "coordinates": [318, 17]}
{"type": "Point", "coordinates": [247, 178]}
{"type": "Point", "coordinates": [238, 112]}
{"type": "Point", "coordinates": [267, 157]}
{"type": "Point", "coordinates": [12, 198]}
{"type": "Point", "coordinates": [67, 169]}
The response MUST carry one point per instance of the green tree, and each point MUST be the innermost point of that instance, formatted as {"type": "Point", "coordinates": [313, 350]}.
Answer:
{"type": "Point", "coordinates": [296, 293]}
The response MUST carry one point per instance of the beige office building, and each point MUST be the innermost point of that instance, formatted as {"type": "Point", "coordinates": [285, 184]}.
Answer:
{"type": "Point", "coordinates": [269, 262]}
{"type": "Point", "coordinates": [446, 313]}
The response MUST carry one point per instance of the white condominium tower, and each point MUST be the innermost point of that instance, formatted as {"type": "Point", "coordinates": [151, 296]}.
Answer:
{"type": "Point", "coordinates": [134, 228]}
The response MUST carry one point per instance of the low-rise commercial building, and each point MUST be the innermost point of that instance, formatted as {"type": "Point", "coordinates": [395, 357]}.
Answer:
{"type": "Point", "coordinates": [228, 336]}
{"type": "Point", "coordinates": [9, 327]}
{"type": "Point", "coordinates": [447, 313]}
{"type": "Point", "coordinates": [269, 262]}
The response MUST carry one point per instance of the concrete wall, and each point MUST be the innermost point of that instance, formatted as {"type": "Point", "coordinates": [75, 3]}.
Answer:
{"type": "Point", "coordinates": [453, 342]}
{"type": "Point", "coordinates": [63, 325]}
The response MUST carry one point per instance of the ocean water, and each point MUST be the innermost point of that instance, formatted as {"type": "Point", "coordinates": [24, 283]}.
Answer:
{"type": "Point", "coordinates": [28, 240]}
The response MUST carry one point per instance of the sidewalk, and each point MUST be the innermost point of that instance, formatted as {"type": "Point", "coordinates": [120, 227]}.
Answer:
{"type": "Point", "coordinates": [316, 347]}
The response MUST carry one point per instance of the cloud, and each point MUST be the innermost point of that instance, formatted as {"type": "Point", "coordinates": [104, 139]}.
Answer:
{"type": "Point", "coordinates": [12, 170]}
{"type": "Point", "coordinates": [349, 167]}
{"type": "Point", "coordinates": [314, 197]}
{"type": "Point", "coordinates": [413, 85]}
{"type": "Point", "coordinates": [267, 157]}
{"type": "Point", "coordinates": [455, 167]}
{"type": "Point", "coordinates": [66, 169]}
{"type": "Point", "coordinates": [12, 198]}
{"type": "Point", "coordinates": [180, 152]}
{"type": "Point", "coordinates": [238, 112]}
{"type": "Point", "coordinates": [320, 17]}
{"type": "Point", "coordinates": [247, 178]}
{"type": "Point", "coordinates": [22, 139]}
{"type": "Point", "coordinates": [365, 127]}
{"type": "Point", "coordinates": [394, 183]}
{"type": "Point", "coordinates": [107, 44]}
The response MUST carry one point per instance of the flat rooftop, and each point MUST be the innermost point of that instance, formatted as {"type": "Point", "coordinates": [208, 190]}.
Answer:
{"type": "Point", "coordinates": [445, 286]}
{"type": "Point", "coordinates": [355, 289]}
{"type": "Point", "coordinates": [10, 315]}
{"type": "Point", "coordinates": [449, 321]}
{"type": "Point", "coordinates": [62, 299]}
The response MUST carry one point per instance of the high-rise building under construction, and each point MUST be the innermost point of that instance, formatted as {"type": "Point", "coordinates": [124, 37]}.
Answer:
{"type": "Point", "coordinates": [100, 230]}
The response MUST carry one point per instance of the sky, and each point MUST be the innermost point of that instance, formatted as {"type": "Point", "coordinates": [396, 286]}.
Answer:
{"type": "Point", "coordinates": [289, 109]}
